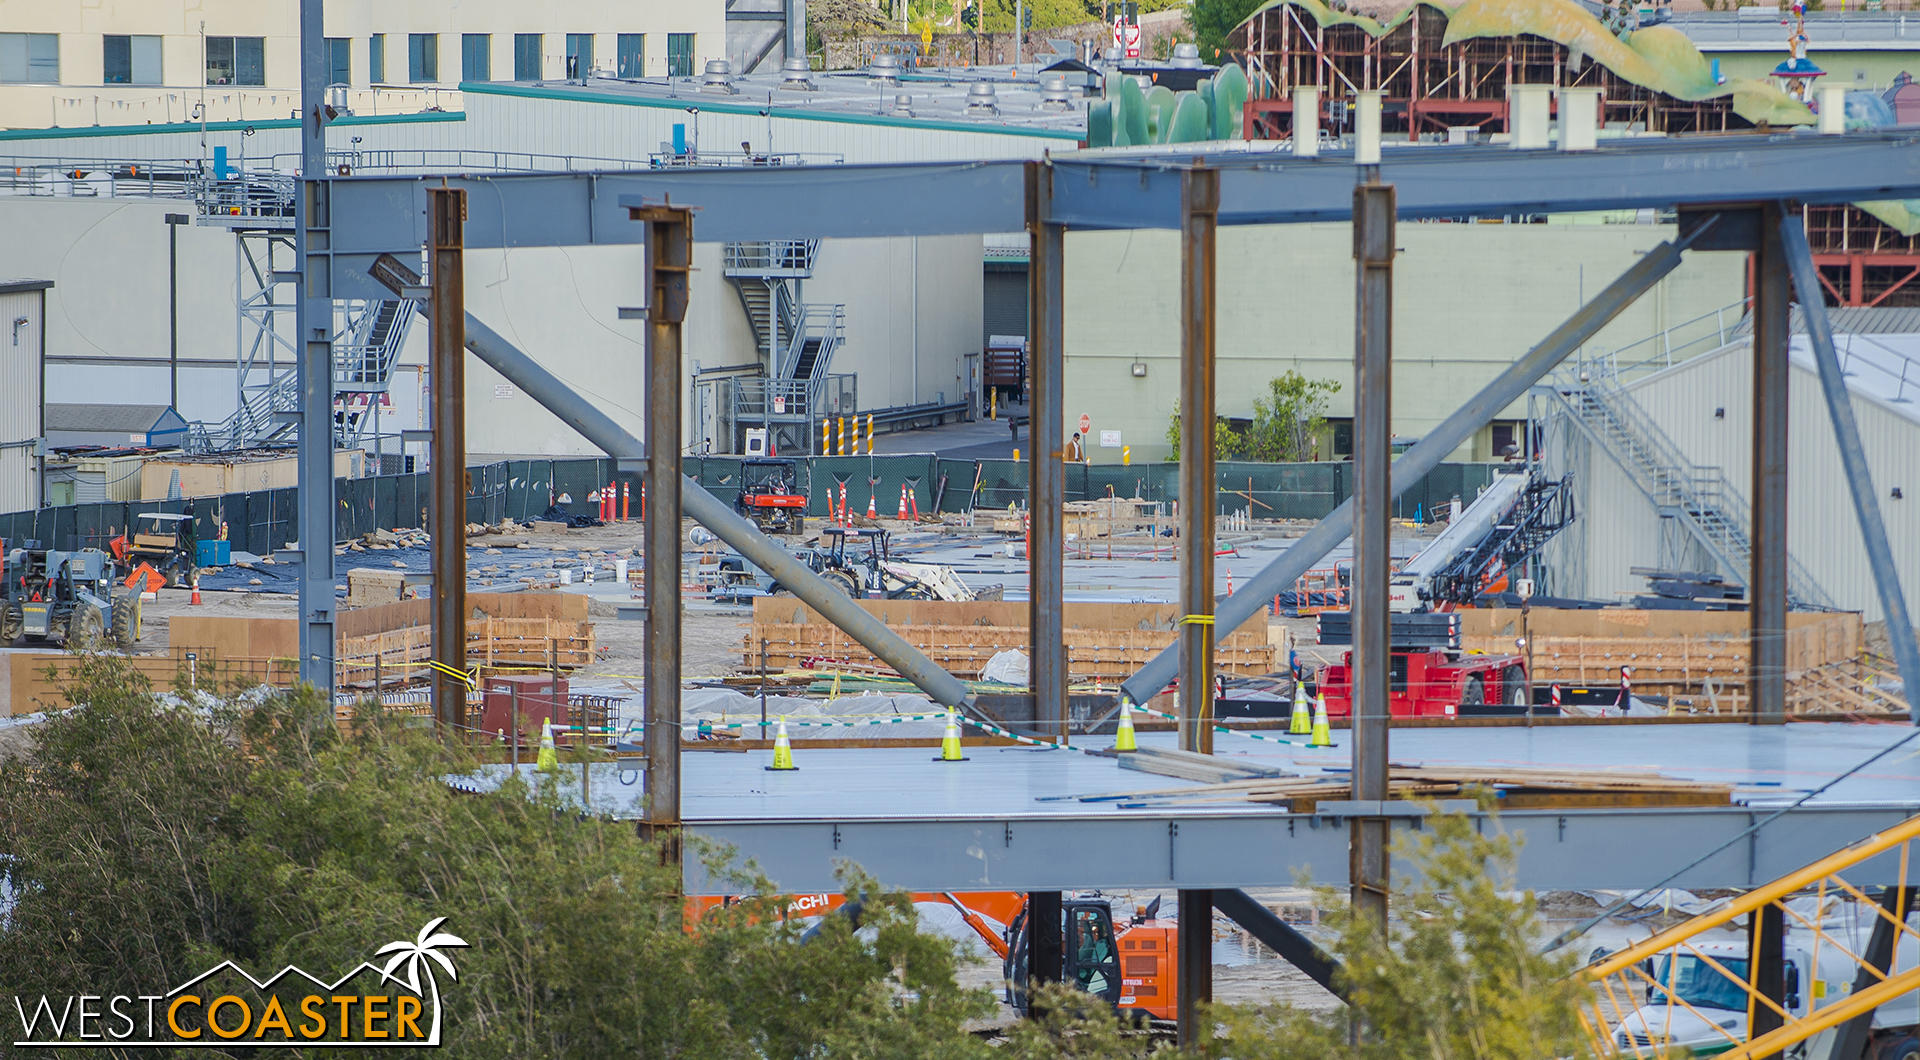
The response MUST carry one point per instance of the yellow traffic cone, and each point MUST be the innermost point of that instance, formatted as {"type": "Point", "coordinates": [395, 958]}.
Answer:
{"type": "Point", "coordinates": [1123, 736]}
{"type": "Point", "coordinates": [950, 742]}
{"type": "Point", "coordinates": [1322, 732]}
{"type": "Point", "coordinates": [1302, 717]}
{"type": "Point", "coordinates": [549, 759]}
{"type": "Point", "coordinates": [782, 748]}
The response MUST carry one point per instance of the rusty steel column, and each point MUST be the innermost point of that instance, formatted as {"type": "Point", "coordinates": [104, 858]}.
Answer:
{"type": "Point", "coordinates": [669, 243]}
{"type": "Point", "coordinates": [447, 342]}
{"type": "Point", "coordinates": [1194, 971]}
{"type": "Point", "coordinates": [1047, 476]}
{"type": "Point", "coordinates": [1200, 214]}
{"type": "Point", "coordinates": [1767, 579]}
{"type": "Point", "coordinates": [1373, 248]}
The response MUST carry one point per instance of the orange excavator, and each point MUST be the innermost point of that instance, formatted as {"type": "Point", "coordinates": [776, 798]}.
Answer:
{"type": "Point", "coordinates": [1130, 964]}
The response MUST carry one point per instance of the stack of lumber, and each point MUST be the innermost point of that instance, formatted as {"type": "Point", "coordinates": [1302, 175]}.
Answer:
{"type": "Point", "coordinates": [1514, 787]}
{"type": "Point", "coordinates": [1191, 765]}
{"type": "Point", "coordinates": [1109, 517]}
{"type": "Point", "coordinates": [400, 654]}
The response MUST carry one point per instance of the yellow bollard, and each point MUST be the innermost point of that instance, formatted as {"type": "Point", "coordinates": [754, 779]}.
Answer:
{"type": "Point", "coordinates": [950, 742]}
{"type": "Point", "coordinates": [1123, 737]}
{"type": "Point", "coordinates": [782, 749]}
{"type": "Point", "coordinates": [1302, 717]}
{"type": "Point", "coordinates": [824, 449]}
{"type": "Point", "coordinates": [869, 434]}
{"type": "Point", "coordinates": [1016, 456]}
{"type": "Point", "coordinates": [1126, 455]}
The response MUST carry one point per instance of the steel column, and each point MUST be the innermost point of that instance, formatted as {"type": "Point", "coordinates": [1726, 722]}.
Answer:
{"type": "Point", "coordinates": [1766, 939]}
{"type": "Point", "coordinates": [1194, 974]}
{"type": "Point", "coordinates": [1850, 1041]}
{"type": "Point", "coordinates": [669, 263]}
{"type": "Point", "coordinates": [313, 326]}
{"type": "Point", "coordinates": [1046, 934]}
{"type": "Point", "coordinates": [1373, 249]}
{"type": "Point", "coordinates": [1767, 592]}
{"type": "Point", "coordinates": [1047, 476]}
{"type": "Point", "coordinates": [1853, 456]}
{"type": "Point", "coordinates": [447, 297]}
{"type": "Point", "coordinates": [1426, 454]}
{"type": "Point", "coordinates": [1200, 206]}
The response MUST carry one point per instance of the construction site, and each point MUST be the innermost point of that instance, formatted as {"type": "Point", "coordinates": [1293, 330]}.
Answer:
{"type": "Point", "coordinates": [1029, 625]}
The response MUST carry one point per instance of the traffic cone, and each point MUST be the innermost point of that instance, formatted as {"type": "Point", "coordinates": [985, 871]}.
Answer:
{"type": "Point", "coordinates": [1123, 736]}
{"type": "Point", "coordinates": [782, 749]}
{"type": "Point", "coordinates": [903, 504]}
{"type": "Point", "coordinates": [1302, 717]}
{"type": "Point", "coordinates": [195, 602]}
{"type": "Point", "coordinates": [1322, 731]}
{"type": "Point", "coordinates": [549, 758]}
{"type": "Point", "coordinates": [950, 743]}
{"type": "Point", "coordinates": [873, 506]}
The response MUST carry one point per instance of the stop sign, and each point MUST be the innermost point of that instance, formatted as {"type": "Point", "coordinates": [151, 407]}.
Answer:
{"type": "Point", "coordinates": [1086, 423]}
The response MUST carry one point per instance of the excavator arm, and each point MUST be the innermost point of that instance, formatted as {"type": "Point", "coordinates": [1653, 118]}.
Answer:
{"type": "Point", "coordinates": [980, 926]}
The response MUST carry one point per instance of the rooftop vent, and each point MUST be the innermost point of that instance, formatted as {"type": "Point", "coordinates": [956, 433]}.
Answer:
{"type": "Point", "coordinates": [1113, 55]}
{"type": "Point", "coordinates": [796, 74]}
{"type": "Point", "coordinates": [982, 100]}
{"type": "Point", "coordinates": [1186, 55]}
{"type": "Point", "coordinates": [1054, 93]}
{"type": "Point", "coordinates": [885, 68]}
{"type": "Point", "coordinates": [719, 77]}
{"type": "Point", "coordinates": [902, 106]}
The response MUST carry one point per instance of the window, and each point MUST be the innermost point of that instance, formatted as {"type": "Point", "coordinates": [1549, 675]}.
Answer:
{"type": "Point", "coordinates": [579, 54]}
{"type": "Point", "coordinates": [30, 57]}
{"type": "Point", "coordinates": [630, 55]}
{"type": "Point", "coordinates": [679, 55]}
{"type": "Point", "coordinates": [376, 58]}
{"type": "Point", "coordinates": [130, 60]}
{"type": "Point", "coordinates": [423, 57]}
{"type": "Point", "coordinates": [236, 61]}
{"type": "Point", "coordinates": [526, 57]}
{"type": "Point", "coordinates": [339, 61]}
{"type": "Point", "coordinates": [476, 57]}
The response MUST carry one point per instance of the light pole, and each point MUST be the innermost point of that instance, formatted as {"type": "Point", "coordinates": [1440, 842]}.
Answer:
{"type": "Point", "coordinates": [174, 221]}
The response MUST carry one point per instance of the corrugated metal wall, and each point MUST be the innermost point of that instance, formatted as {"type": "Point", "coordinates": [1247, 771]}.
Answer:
{"type": "Point", "coordinates": [20, 332]}
{"type": "Point", "coordinates": [1621, 530]}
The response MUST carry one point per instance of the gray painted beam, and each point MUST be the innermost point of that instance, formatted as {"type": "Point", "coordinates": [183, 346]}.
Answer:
{"type": "Point", "coordinates": [1564, 850]}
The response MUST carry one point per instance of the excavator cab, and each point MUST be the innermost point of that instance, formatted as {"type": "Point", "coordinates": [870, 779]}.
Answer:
{"type": "Point", "coordinates": [1089, 957]}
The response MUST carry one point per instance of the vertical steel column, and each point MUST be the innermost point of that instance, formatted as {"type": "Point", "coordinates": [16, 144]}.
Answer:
{"type": "Point", "coordinates": [1767, 593]}
{"type": "Point", "coordinates": [313, 326]}
{"type": "Point", "coordinates": [1850, 1040]}
{"type": "Point", "coordinates": [447, 343]}
{"type": "Point", "coordinates": [1373, 247]}
{"type": "Point", "coordinates": [669, 243]}
{"type": "Point", "coordinates": [1046, 946]}
{"type": "Point", "coordinates": [1766, 935]}
{"type": "Point", "coordinates": [1047, 475]}
{"type": "Point", "coordinates": [1200, 214]}
{"type": "Point", "coordinates": [1194, 970]}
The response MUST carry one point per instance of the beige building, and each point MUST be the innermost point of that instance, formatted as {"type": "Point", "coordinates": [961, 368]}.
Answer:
{"type": "Point", "coordinates": [155, 62]}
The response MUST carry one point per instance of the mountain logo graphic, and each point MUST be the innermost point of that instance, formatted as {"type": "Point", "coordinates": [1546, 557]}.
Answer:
{"type": "Point", "coordinates": [226, 1006]}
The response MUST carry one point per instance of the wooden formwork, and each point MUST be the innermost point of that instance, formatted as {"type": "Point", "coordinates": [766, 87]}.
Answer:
{"type": "Point", "coordinates": [399, 654]}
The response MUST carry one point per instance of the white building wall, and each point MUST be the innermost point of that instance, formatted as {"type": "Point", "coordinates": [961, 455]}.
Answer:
{"type": "Point", "coordinates": [1622, 531]}
{"type": "Point", "coordinates": [20, 423]}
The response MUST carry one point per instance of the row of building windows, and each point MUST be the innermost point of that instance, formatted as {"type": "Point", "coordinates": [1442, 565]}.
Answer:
{"type": "Point", "coordinates": [135, 59]}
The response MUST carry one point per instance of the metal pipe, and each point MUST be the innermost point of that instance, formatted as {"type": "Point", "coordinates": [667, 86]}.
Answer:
{"type": "Point", "coordinates": [446, 214]}
{"type": "Point", "coordinates": [1373, 248]}
{"type": "Point", "coordinates": [1767, 580]}
{"type": "Point", "coordinates": [704, 508]}
{"type": "Point", "coordinates": [313, 324]}
{"type": "Point", "coordinates": [1853, 456]}
{"type": "Point", "coordinates": [1047, 476]}
{"type": "Point", "coordinates": [669, 263]}
{"type": "Point", "coordinates": [1199, 226]}
{"type": "Point", "coordinates": [1424, 456]}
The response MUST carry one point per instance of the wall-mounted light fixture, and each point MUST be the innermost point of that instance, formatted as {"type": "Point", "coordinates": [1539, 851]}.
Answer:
{"type": "Point", "coordinates": [1720, 414]}
{"type": "Point", "coordinates": [1139, 369]}
{"type": "Point", "coordinates": [1897, 495]}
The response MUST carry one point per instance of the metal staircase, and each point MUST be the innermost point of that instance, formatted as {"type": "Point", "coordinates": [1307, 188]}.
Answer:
{"type": "Point", "coordinates": [796, 341]}
{"type": "Point", "coordinates": [1701, 498]}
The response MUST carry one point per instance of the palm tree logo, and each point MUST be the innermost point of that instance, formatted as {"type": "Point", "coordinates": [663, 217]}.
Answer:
{"type": "Point", "coordinates": [427, 945]}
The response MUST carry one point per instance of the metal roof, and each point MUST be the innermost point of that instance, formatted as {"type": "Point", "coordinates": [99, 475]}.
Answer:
{"type": "Point", "coordinates": [1721, 31]}
{"type": "Point", "coordinates": [119, 419]}
{"type": "Point", "coordinates": [16, 286]}
{"type": "Point", "coordinates": [1853, 320]}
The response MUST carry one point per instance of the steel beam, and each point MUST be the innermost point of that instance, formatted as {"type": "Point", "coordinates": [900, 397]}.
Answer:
{"type": "Point", "coordinates": [1156, 850]}
{"type": "Point", "coordinates": [1193, 988]}
{"type": "Point", "coordinates": [1853, 456]}
{"type": "Point", "coordinates": [1373, 249]}
{"type": "Point", "coordinates": [1766, 942]}
{"type": "Point", "coordinates": [1767, 580]}
{"type": "Point", "coordinates": [1046, 474]}
{"type": "Point", "coordinates": [446, 212]}
{"type": "Point", "coordinates": [706, 509]}
{"type": "Point", "coordinates": [1046, 932]}
{"type": "Point", "coordinates": [313, 326]}
{"type": "Point", "coordinates": [1851, 1038]}
{"type": "Point", "coordinates": [1281, 937]}
{"type": "Point", "coordinates": [668, 274]}
{"type": "Point", "coordinates": [1200, 198]}
{"type": "Point", "coordinates": [1425, 455]}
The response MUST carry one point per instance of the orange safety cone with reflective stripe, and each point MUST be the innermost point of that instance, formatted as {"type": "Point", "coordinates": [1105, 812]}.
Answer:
{"type": "Point", "coordinates": [873, 506]}
{"type": "Point", "coordinates": [950, 742]}
{"type": "Point", "coordinates": [195, 601]}
{"type": "Point", "coordinates": [782, 749]}
{"type": "Point", "coordinates": [903, 503]}
{"type": "Point", "coordinates": [1322, 730]}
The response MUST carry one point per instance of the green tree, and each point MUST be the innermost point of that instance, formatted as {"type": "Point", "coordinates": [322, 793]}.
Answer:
{"type": "Point", "coordinates": [1290, 421]}
{"type": "Point", "coordinates": [1226, 441]}
{"type": "Point", "coordinates": [1213, 22]}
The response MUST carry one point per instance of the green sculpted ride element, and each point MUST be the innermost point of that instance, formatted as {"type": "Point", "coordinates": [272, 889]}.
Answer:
{"type": "Point", "coordinates": [1136, 117]}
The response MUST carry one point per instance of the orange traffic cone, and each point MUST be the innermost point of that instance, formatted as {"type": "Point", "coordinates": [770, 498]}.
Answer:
{"type": "Point", "coordinates": [903, 503]}
{"type": "Point", "coordinates": [195, 602]}
{"type": "Point", "coordinates": [873, 506]}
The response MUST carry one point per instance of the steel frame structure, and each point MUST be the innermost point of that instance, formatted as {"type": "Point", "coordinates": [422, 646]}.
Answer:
{"type": "Point", "coordinates": [1194, 851]}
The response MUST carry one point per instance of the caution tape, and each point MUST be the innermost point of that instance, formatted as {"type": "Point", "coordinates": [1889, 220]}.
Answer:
{"type": "Point", "coordinates": [469, 678]}
{"type": "Point", "coordinates": [1290, 741]}
{"type": "Point", "coordinates": [818, 723]}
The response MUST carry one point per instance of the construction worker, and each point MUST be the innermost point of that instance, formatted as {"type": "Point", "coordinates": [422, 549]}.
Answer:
{"type": "Point", "coordinates": [1076, 452]}
{"type": "Point", "coordinates": [1093, 951]}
